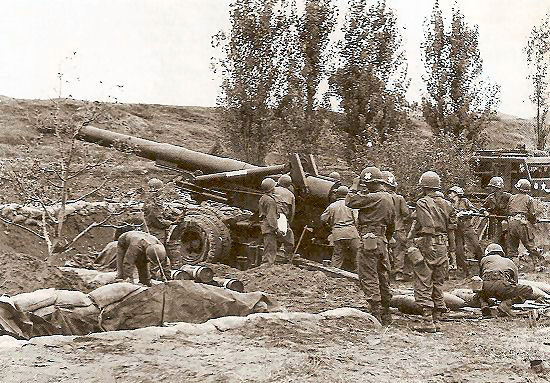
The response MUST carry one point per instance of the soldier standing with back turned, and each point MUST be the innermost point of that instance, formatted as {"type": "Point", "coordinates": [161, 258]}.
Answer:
{"type": "Point", "coordinates": [400, 270]}
{"type": "Point", "coordinates": [521, 209]}
{"type": "Point", "coordinates": [496, 204]}
{"type": "Point", "coordinates": [433, 227]}
{"type": "Point", "coordinates": [376, 223]}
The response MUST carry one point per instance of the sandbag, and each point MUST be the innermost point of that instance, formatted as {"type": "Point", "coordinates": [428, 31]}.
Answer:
{"type": "Point", "coordinates": [72, 298]}
{"type": "Point", "coordinates": [537, 292]}
{"type": "Point", "coordinates": [406, 304]}
{"type": "Point", "coordinates": [114, 292]}
{"type": "Point", "coordinates": [468, 295]}
{"type": "Point", "coordinates": [180, 301]}
{"type": "Point", "coordinates": [545, 287]}
{"type": "Point", "coordinates": [35, 300]}
{"type": "Point", "coordinates": [44, 312]}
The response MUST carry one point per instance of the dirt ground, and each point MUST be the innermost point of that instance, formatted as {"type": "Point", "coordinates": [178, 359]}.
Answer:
{"type": "Point", "coordinates": [328, 350]}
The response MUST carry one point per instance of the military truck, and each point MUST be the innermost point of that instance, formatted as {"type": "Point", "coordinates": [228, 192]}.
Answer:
{"type": "Point", "coordinates": [512, 165]}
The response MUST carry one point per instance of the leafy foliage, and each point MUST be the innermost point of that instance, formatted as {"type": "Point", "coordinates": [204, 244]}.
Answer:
{"type": "Point", "coordinates": [408, 157]}
{"type": "Point", "coordinates": [371, 79]}
{"type": "Point", "coordinates": [538, 59]}
{"type": "Point", "coordinates": [458, 100]}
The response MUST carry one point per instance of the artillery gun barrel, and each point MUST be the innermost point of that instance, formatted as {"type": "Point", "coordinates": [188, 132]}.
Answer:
{"type": "Point", "coordinates": [184, 158]}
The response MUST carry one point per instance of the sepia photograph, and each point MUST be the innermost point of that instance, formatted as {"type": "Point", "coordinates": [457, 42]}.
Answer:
{"type": "Point", "coordinates": [227, 191]}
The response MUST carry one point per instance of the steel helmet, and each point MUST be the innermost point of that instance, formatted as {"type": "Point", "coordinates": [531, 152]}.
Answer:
{"type": "Point", "coordinates": [496, 182]}
{"type": "Point", "coordinates": [389, 178]}
{"type": "Point", "coordinates": [335, 175]}
{"type": "Point", "coordinates": [523, 185]}
{"type": "Point", "coordinates": [457, 189]}
{"type": "Point", "coordinates": [156, 253]}
{"type": "Point", "coordinates": [430, 180]}
{"type": "Point", "coordinates": [494, 248]}
{"type": "Point", "coordinates": [155, 184]}
{"type": "Point", "coordinates": [285, 180]}
{"type": "Point", "coordinates": [342, 191]}
{"type": "Point", "coordinates": [268, 184]}
{"type": "Point", "coordinates": [371, 174]}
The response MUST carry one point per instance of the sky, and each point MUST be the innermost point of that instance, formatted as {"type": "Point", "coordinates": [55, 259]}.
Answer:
{"type": "Point", "coordinates": [159, 51]}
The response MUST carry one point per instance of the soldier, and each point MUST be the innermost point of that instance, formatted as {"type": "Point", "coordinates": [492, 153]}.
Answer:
{"type": "Point", "coordinates": [522, 212]}
{"type": "Point", "coordinates": [286, 205]}
{"type": "Point", "coordinates": [376, 223]}
{"type": "Point", "coordinates": [267, 211]}
{"type": "Point", "coordinates": [336, 176]}
{"type": "Point", "coordinates": [434, 225]}
{"type": "Point", "coordinates": [137, 248]}
{"type": "Point", "coordinates": [344, 233]}
{"type": "Point", "coordinates": [500, 281]}
{"type": "Point", "coordinates": [401, 270]}
{"type": "Point", "coordinates": [465, 233]}
{"type": "Point", "coordinates": [496, 203]}
{"type": "Point", "coordinates": [158, 220]}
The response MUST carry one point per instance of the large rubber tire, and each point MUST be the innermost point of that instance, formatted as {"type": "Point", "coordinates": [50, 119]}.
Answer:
{"type": "Point", "coordinates": [216, 218]}
{"type": "Point", "coordinates": [201, 240]}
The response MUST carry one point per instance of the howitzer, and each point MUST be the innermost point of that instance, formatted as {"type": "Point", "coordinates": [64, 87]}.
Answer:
{"type": "Point", "coordinates": [205, 234]}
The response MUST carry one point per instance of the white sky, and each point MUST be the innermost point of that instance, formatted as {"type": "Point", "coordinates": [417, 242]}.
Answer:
{"type": "Point", "coordinates": [159, 50]}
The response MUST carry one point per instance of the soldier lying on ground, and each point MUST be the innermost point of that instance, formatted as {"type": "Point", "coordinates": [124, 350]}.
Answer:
{"type": "Point", "coordinates": [137, 248]}
{"type": "Point", "coordinates": [500, 281]}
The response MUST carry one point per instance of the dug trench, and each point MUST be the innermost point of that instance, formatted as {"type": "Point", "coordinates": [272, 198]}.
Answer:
{"type": "Point", "coordinates": [263, 348]}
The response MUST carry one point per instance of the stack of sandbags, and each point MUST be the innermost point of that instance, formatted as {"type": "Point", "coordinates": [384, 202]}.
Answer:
{"type": "Point", "coordinates": [92, 277]}
{"type": "Point", "coordinates": [34, 301]}
{"type": "Point", "coordinates": [113, 293]}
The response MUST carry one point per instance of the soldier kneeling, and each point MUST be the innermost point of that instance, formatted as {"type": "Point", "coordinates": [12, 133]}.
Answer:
{"type": "Point", "coordinates": [137, 248]}
{"type": "Point", "coordinates": [500, 281]}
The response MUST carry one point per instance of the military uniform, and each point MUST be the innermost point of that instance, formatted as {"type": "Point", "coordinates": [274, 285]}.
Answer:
{"type": "Point", "coordinates": [433, 227]}
{"type": "Point", "coordinates": [500, 281]}
{"type": "Point", "coordinates": [465, 234]}
{"type": "Point", "coordinates": [402, 212]}
{"type": "Point", "coordinates": [496, 203]}
{"type": "Point", "coordinates": [267, 211]}
{"type": "Point", "coordinates": [132, 250]}
{"type": "Point", "coordinates": [376, 223]}
{"type": "Point", "coordinates": [286, 204]}
{"type": "Point", "coordinates": [344, 233]}
{"type": "Point", "coordinates": [522, 211]}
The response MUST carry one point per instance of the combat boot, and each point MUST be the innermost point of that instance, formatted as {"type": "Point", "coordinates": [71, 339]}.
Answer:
{"type": "Point", "coordinates": [375, 310]}
{"type": "Point", "coordinates": [427, 324]}
{"type": "Point", "coordinates": [386, 316]}
{"type": "Point", "coordinates": [436, 316]}
{"type": "Point", "coordinates": [505, 309]}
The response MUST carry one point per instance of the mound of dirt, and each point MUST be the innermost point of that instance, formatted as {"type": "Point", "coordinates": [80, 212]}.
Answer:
{"type": "Point", "coordinates": [296, 288]}
{"type": "Point", "coordinates": [21, 273]}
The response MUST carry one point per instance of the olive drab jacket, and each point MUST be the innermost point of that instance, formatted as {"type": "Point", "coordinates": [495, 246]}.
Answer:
{"type": "Point", "coordinates": [402, 211]}
{"type": "Point", "coordinates": [286, 202]}
{"type": "Point", "coordinates": [496, 264]}
{"type": "Point", "coordinates": [522, 204]}
{"type": "Point", "coordinates": [497, 202]}
{"type": "Point", "coordinates": [375, 209]}
{"type": "Point", "coordinates": [267, 211]}
{"type": "Point", "coordinates": [341, 219]}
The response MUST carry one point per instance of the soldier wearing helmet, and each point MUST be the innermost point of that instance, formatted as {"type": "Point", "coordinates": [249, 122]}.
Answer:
{"type": "Point", "coordinates": [140, 249]}
{"type": "Point", "coordinates": [267, 211]}
{"type": "Point", "coordinates": [336, 176]}
{"type": "Point", "coordinates": [521, 210]}
{"type": "Point", "coordinates": [496, 204]}
{"type": "Point", "coordinates": [433, 226]}
{"type": "Point", "coordinates": [376, 223]}
{"type": "Point", "coordinates": [465, 234]}
{"type": "Point", "coordinates": [500, 281]}
{"type": "Point", "coordinates": [158, 218]}
{"type": "Point", "coordinates": [400, 269]}
{"type": "Point", "coordinates": [341, 219]}
{"type": "Point", "coordinates": [286, 205]}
